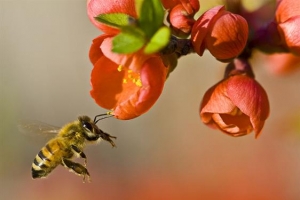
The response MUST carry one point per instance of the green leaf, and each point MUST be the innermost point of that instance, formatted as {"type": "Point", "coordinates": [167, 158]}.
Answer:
{"type": "Point", "coordinates": [159, 12]}
{"type": "Point", "coordinates": [151, 16]}
{"type": "Point", "coordinates": [114, 19]}
{"type": "Point", "coordinates": [138, 6]}
{"type": "Point", "coordinates": [130, 40]}
{"type": "Point", "coordinates": [159, 40]}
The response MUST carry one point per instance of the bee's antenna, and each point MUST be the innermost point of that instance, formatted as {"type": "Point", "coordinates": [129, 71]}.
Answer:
{"type": "Point", "coordinates": [107, 115]}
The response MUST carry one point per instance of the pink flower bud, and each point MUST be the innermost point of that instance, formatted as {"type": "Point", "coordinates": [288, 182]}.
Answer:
{"type": "Point", "coordinates": [223, 33]}
{"type": "Point", "coordinates": [181, 21]}
{"type": "Point", "coordinates": [238, 104]}
{"type": "Point", "coordinates": [290, 31]}
{"type": "Point", "coordinates": [287, 9]}
{"type": "Point", "coordinates": [288, 19]}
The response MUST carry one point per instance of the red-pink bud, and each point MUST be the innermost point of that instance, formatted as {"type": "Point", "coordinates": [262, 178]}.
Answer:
{"type": "Point", "coordinates": [223, 33]}
{"type": "Point", "coordinates": [238, 104]}
{"type": "Point", "coordinates": [181, 21]}
{"type": "Point", "coordinates": [290, 31]}
{"type": "Point", "coordinates": [288, 20]}
{"type": "Point", "coordinates": [287, 9]}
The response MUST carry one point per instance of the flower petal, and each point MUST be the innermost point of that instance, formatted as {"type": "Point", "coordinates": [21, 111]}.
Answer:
{"type": "Point", "coordinates": [250, 98]}
{"type": "Point", "coordinates": [290, 31]}
{"type": "Point", "coordinates": [138, 99]}
{"type": "Point", "coordinates": [131, 61]}
{"type": "Point", "coordinates": [106, 82]}
{"type": "Point", "coordinates": [215, 100]}
{"type": "Point", "coordinates": [230, 31]}
{"type": "Point", "coordinates": [181, 21]}
{"type": "Point", "coordinates": [287, 9]}
{"type": "Point", "coordinates": [223, 33]}
{"type": "Point", "coordinates": [233, 125]}
{"type": "Point", "coordinates": [200, 29]}
{"type": "Point", "coordinates": [95, 51]}
{"type": "Point", "coordinates": [219, 112]}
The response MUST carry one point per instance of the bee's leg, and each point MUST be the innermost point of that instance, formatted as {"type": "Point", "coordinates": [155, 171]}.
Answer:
{"type": "Point", "coordinates": [77, 168]}
{"type": "Point", "coordinates": [81, 154]}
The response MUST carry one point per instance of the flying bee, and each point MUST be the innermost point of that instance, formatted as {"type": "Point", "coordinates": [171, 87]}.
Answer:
{"type": "Point", "coordinates": [67, 144]}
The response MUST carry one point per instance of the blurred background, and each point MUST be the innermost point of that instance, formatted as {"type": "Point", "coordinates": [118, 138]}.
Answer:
{"type": "Point", "coordinates": [166, 153]}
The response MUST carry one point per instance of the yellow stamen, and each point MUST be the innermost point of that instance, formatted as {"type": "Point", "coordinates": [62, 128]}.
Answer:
{"type": "Point", "coordinates": [109, 112]}
{"type": "Point", "coordinates": [139, 83]}
{"type": "Point", "coordinates": [120, 68]}
{"type": "Point", "coordinates": [131, 76]}
{"type": "Point", "coordinates": [134, 78]}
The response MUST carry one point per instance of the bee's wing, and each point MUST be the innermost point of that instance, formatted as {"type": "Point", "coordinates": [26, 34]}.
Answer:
{"type": "Point", "coordinates": [34, 127]}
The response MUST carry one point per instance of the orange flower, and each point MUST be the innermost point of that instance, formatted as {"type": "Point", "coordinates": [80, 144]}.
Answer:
{"type": "Point", "coordinates": [223, 33]}
{"type": "Point", "coordinates": [238, 104]}
{"type": "Point", "coordinates": [128, 84]}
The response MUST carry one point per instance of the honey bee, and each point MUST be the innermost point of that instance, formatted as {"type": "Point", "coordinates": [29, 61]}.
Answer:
{"type": "Point", "coordinates": [67, 144]}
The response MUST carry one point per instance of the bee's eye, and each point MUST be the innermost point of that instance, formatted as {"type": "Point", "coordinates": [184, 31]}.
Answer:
{"type": "Point", "coordinates": [87, 126]}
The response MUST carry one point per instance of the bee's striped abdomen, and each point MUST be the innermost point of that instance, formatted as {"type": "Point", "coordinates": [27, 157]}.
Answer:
{"type": "Point", "coordinates": [45, 161]}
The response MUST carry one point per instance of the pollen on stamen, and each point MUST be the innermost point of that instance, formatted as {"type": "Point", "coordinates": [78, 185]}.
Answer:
{"type": "Point", "coordinates": [110, 112]}
{"type": "Point", "coordinates": [124, 80]}
{"type": "Point", "coordinates": [120, 68]}
{"type": "Point", "coordinates": [138, 83]}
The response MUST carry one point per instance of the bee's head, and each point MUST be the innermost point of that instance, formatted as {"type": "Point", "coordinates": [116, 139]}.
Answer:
{"type": "Point", "coordinates": [91, 130]}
